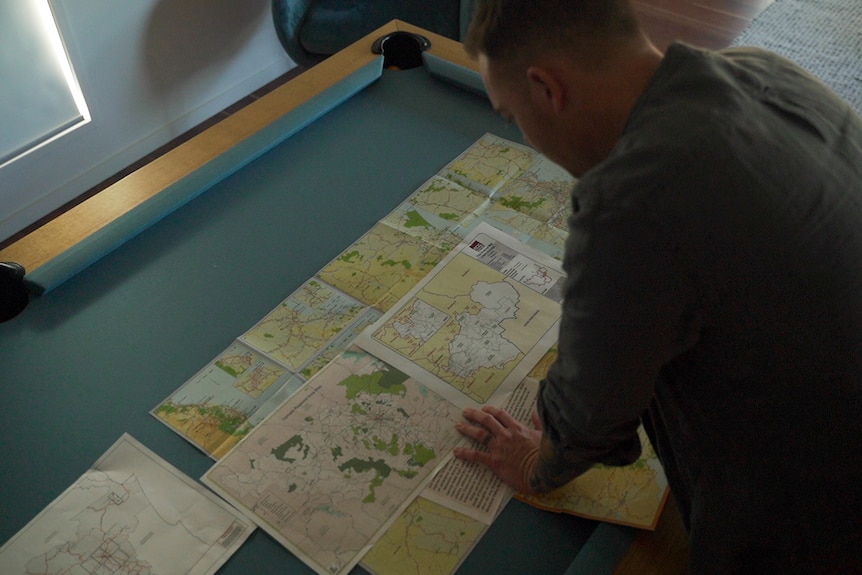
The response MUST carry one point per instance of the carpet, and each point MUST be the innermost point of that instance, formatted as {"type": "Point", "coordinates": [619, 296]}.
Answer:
{"type": "Point", "coordinates": [823, 36]}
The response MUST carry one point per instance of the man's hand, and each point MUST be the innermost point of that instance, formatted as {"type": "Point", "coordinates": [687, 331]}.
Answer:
{"type": "Point", "coordinates": [513, 448]}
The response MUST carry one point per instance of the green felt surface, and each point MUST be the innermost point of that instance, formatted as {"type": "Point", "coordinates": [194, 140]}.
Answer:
{"type": "Point", "coordinates": [88, 360]}
{"type": "Point", "coordinates": [116, 233]}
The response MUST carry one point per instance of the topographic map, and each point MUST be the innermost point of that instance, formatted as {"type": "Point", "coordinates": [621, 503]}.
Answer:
{"type": "Point", "coordinates": [339, 460]}
{"type": "Point", "coordinates": [382, 266]}
{"type": "Point", "coordinates": [427, 539]}
{"type": "Point", "coordinates": [528, 196]}
{"type": "Point", "coordinates": [222, 402]}
{"type": "Point", "coordinates": [490, 163]}
{"type": "Point", "coordinates": [242, 380]}
{"type": "Point", "coordinates": [334, 471]}
{"type": "Point", "coordinates": [631, 495]}
{"type": "Point", "coordinates": [131, 514]}
{"type": "Point", "coordinates": [495, 180]}
{"type": "Point", "coordinates": [296, 330]}
{"type": "Point", "coordinates": [482, 318]}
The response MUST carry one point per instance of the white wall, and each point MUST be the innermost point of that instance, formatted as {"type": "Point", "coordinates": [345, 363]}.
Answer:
{"type": "Point", "coordinates": [149, 70]}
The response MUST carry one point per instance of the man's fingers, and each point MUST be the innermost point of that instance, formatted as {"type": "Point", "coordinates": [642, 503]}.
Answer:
{"type": "Point", "coordinates": [472, 455]}
{"type": "Point", "coordinates": [537, 421]}
{"type": "Point", "coordinates": [476, 432]}
{"type": "Point", "coordinates": [510, 450]}
{"type": "Point", "coordinates": [501, 416]}
{"type": "Point", "coordinates": [484, 419]}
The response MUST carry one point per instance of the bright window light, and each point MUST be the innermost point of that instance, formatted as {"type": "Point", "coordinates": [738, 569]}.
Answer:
{"type": "Point", "coordinates": [52, 31]}
{"type": "Point", "coordinates": [40, 98]}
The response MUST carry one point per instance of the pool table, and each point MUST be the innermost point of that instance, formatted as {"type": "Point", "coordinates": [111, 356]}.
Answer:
{"type": "Point", "coordinates": [144, 283]}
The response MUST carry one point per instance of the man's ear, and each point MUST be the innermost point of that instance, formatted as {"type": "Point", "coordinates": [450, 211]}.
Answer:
{"type": "Point", "coordinates": [547, 87]}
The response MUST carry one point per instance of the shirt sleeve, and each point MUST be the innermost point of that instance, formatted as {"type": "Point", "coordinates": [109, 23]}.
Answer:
{"type": "Point", "coordinates": [628, 309]}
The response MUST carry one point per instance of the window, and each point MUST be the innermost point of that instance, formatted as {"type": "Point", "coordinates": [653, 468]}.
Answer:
{"type": "Point", "coordinates": [39, 96]}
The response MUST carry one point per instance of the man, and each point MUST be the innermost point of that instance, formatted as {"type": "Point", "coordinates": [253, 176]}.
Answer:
{"type": "Point", "coordinates": [714, 288]}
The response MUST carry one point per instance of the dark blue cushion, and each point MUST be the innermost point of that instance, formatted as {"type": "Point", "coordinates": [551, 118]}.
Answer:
{"type": "Point", "coordinates": [334, 24]}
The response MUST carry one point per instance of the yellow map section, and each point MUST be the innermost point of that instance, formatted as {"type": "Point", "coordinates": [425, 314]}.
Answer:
{"type": "Point", "coordinates": [469, 326]}
{"type": "Point", "coordinates": [382, 266]}
{"type": "Point", "coordinates": [491, 162]}
{"type": "Point", "coordinates": [340, 343]}
{"type": "Point", "coordinates": [438, 207]}
{"type": "Point", "coordinates": [212, 409]}
{"type": "Point", "coordinates": [426, 539]}
{"type": "Point", "coordinates": [303, 323]}
{"type": "Point", "coordinates": [541, 368]}
{"type": "Point", "coordinates": [543, 193]}
{"type": "Point", "coordinates": [633, 495]}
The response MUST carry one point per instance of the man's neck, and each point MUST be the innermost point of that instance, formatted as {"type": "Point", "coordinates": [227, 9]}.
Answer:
{"type": "Point", "coordinates": [617, 87]}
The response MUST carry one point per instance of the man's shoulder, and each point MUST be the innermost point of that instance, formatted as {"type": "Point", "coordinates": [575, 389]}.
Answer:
{"type": "Point", "coordinates": [742, 88]}
{"type": "Point", "coordinates": [720, 119]}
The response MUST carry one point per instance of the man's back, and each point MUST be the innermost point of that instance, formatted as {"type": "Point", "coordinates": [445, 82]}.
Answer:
{"type": "Point", "coordinates": [722, 241]}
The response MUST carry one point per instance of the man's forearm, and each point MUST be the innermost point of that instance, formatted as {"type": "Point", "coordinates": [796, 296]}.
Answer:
{"type": "Point", "coordinates": [552, 470]}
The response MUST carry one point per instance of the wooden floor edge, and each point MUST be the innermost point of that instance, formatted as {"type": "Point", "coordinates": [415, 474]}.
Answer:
{"type": "Point", "coordinates": [663, 551]}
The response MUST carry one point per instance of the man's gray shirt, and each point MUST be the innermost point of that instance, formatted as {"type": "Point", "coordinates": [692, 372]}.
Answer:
{"type": "Point", "coordinates": [714, 292]}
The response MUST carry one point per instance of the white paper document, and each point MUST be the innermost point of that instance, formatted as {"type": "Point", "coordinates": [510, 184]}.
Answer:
{"type": "Point", "coordinates": [472, 488]}
{"type": "Point", "coordinates": [131, 513]}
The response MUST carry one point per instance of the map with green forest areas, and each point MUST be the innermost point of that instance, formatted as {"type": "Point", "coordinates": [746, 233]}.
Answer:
{"type": "Point", "coordinates": [303, 323]}
{"type": "Point", "coordinates": [332, 465]}
{"type": "Point", "coordinates": [437, 207]}
{"type": "Point", "coordinates": [382, 266]}
{"type": "Point", "coordinates": [490, 163]}
{"type": "Point", "coordinates": [215, 407]}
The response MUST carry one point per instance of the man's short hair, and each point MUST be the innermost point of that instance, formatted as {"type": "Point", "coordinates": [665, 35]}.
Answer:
{"type": "Point", "coordinates": [507, 29]}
